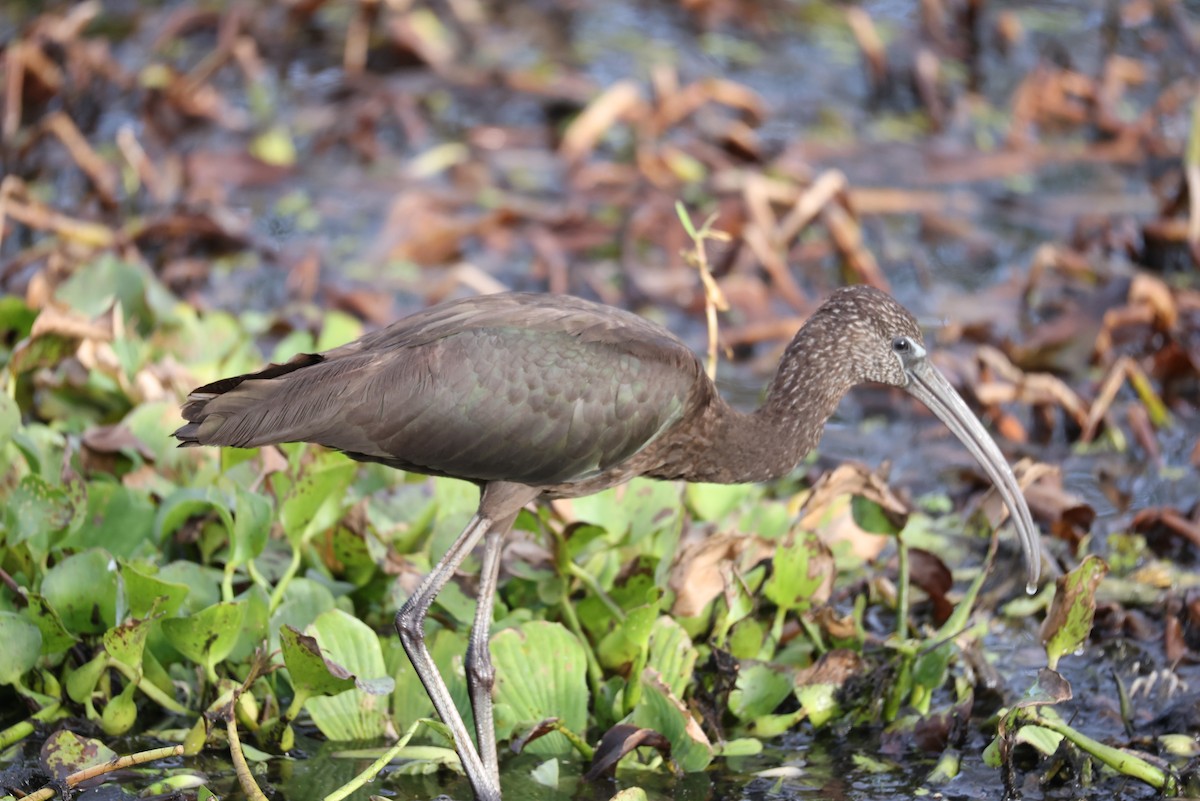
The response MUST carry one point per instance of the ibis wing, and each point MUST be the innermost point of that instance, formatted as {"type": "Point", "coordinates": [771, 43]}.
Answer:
{"type": "Point", "coordinates": [558, 395]}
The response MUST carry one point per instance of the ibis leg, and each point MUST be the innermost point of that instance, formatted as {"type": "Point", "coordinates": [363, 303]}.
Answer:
{"type": "Point", "coordinates": [481, 675]}
{"type": "Point", "coordinates": [498, 507]}
{"type": "Point", "coordinates": [410, 622]}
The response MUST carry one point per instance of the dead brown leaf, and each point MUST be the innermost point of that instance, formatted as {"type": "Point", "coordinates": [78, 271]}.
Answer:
{"type": "Point", "coordinates": [701, 568]}
{"type": "Point", "coordinates": [827, 510]}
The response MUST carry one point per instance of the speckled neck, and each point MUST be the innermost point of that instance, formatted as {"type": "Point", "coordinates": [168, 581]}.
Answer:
{"type": "Point", "coordinates": [815, 373]}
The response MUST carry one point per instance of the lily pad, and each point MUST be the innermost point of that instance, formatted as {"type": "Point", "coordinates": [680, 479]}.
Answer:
{"type": "Point", "coordinates": [541, 672]}
{"type": "Point", "coordinates": [354, 714]}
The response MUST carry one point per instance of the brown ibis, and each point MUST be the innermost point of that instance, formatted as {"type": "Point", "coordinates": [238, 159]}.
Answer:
{"type": "Point", "coordinates": [536, 396]}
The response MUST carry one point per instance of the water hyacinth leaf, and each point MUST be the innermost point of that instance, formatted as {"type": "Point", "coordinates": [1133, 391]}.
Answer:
{"type": "Point", "coordinates": [546, 774]}
{"type": "Point", "coordinates": [931, 666]}
{"type": "Point", "coordinates": [151, 423]}
{"type": "Point", "coordinates": [304, 601]}
{"type": "Point", "coordinates": [1069, 621]}
{"type": "Point", "coordinates": [108, 280]}
{"type": "Point", "coordinates": [660, 709]}
{"type": "Point", "coordinates": [22, 645]}
{"type": "Point", "coordinates": [948, 767]}
{"type": "Point", "coordinates": [310, 671]}
{"type": "Point", "coordinates": [10, 418]}
{"type": "Point", "coordinates": [209, 635]}
{"type": "Point", "coordinates": [251, 525]}
{"type": "Point", "coordinates": [636, 509]}
{"type": "Point", "coordinates": [83, 590]}
{"type": "Point", "coordinates": [758, 692]}
{"type": "Point", "coordinates": [1041, 738]}
{"type": "Point", "coordinates": [203, 583]}
{"type": "Point", "coordinates": [313, 503]}
{"type": "Point", "coordinates": [819, 702]}
{"type": "Point", "coordinates": [254, 624]}
{"type": "Point", "coordinates": [409, 699]}
{"type": "Point", "coordinates": [713, 502]}
{"type": "Point", "coordinates": [65, 753]}
{"type": "Point", "coordinates": [739, 747]}
{"type": "Point", "coordinates": [188, 503]}
{"type": "Point", "coordinates": [768, 726]}
{"type": "Point", "coordinates": [540, 673]}
{"type": "Point", "coordinates": [120, 713]}
{"type": "Point", "coordinates": [81, 682]}
{"type": "Point", "coordinates": [55, 637]}
{"type": "Point", "coordinates": [672, 655]}
{"type": "Point", "coordinates": [629, 639]}
{"type": "Point", "coordinates": [337, 328]}
{"type": "Point", "coordinates": [126, 642]}
{"type": "Point", "coordinates": [143, 592]}
{"type": "Point", "coordinates": [36, 509]}
{"type": "Point", "coordinates": [120, 519]}
{"type": "Point", "coordinates": [874, 518]}
{"type": "Point", "coordinates": [454, 502]}
{"type": "Point", "coordinates": [630, 794]}
{"type": "Point", "coordinates": [354, 714]}
{"type": "Point", "coordinates": [1049, 689]}
{"type": "Point", "coordinates": [802, 572]}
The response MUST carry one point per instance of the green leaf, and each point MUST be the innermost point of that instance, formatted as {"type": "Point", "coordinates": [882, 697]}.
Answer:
{"type": "Point", "coordinates": [36, 508]}
{"type": "Point", "coordinates": [120, 519]}
{"type": "Point", "coordinates": [81, 682]}
{"type": "Point", "coordinates": [759, 691]}
{"type": "Point", "coordinates": [802, 572]}
{"type": "Point", "coordinates": [337, 328]}
{"type": "Point", "coordinates": [672, 655]}
{"type": "Point", "coordinates": [354, 714]}
{"type": "Point", "coordinates": [1042, 739]}
{"type": "Point", "coordinates": [65, 753]}
{"type": "Point", "coordinates": [629, 640]}
{"type": "Point", "coordinates": [251, 525]}
{"type": "Point", "coordinates": [931, 666]}
{"type": "Point", "coordinates": [120, 713]}
{"type": "Point", "coordinates": [142, 593]}
{"type": "Point", "coordinates": [82, 589]}
{"type": "Point", "coordinates": [185, 504]}
{"type": "Point", "coordinates": [303, 601]}
{"type": "Point", "coordinates": [873, 518]}
{"type": "Point", "coordinates": [819, 702]}
{"type": "Point", "coordinates": [10, 418]}
{"type": "Point", "coordinates": [94, 289]}
{"type": "Point", "coordinates": [55, 637]}
{"type": "Point", "coordinates": [1069, 621]}
{"type": "Point", "coordinates": [454, 504]}
{"type": "Point", "coordinates": [637, 509]}
{"type": "Point", "coordinates": [314, 501]}
{"type": "Point", "coordinates": [203, 583]}
{"type": "Point", "coordinates": [661, 710]}
{"type": "Point", "coordinates": [126, 642]}
{"type": "Point", "coordinates": [714, 502]}
{"type": "Point", "coordinates": [208, 636]}
{"type": "Point", "coordinates": [22, 647]}
{"type": "Point", "coordinates": [310, 671]}
{"type": "Point", "coordinates": [541, 672]}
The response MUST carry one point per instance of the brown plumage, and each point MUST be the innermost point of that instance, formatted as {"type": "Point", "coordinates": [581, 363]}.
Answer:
{"type": "Point", "coordinates": [536, 395]}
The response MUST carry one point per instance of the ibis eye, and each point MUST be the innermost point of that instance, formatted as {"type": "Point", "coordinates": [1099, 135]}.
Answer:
{"type": "Point", "coordinates": [901, 345]}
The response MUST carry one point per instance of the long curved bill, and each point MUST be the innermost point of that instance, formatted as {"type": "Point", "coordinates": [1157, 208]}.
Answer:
{"type": "Point", "coordinates": [928, 385]}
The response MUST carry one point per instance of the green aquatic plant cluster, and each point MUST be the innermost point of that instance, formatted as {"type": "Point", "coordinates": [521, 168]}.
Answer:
{"type": "Point", "coordinates": [221, 600]}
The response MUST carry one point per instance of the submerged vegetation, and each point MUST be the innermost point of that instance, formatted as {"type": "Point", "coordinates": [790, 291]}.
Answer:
{"type": "Point", "coordinates": [186, 195]}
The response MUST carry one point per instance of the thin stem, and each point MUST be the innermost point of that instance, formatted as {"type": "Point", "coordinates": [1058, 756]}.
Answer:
{"type": "Point", "coordinates": [150, 689]}
{"type": "Point", "coordinates": [589, 581]}
{"type": "Point", "coordinates": [902, 592]}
